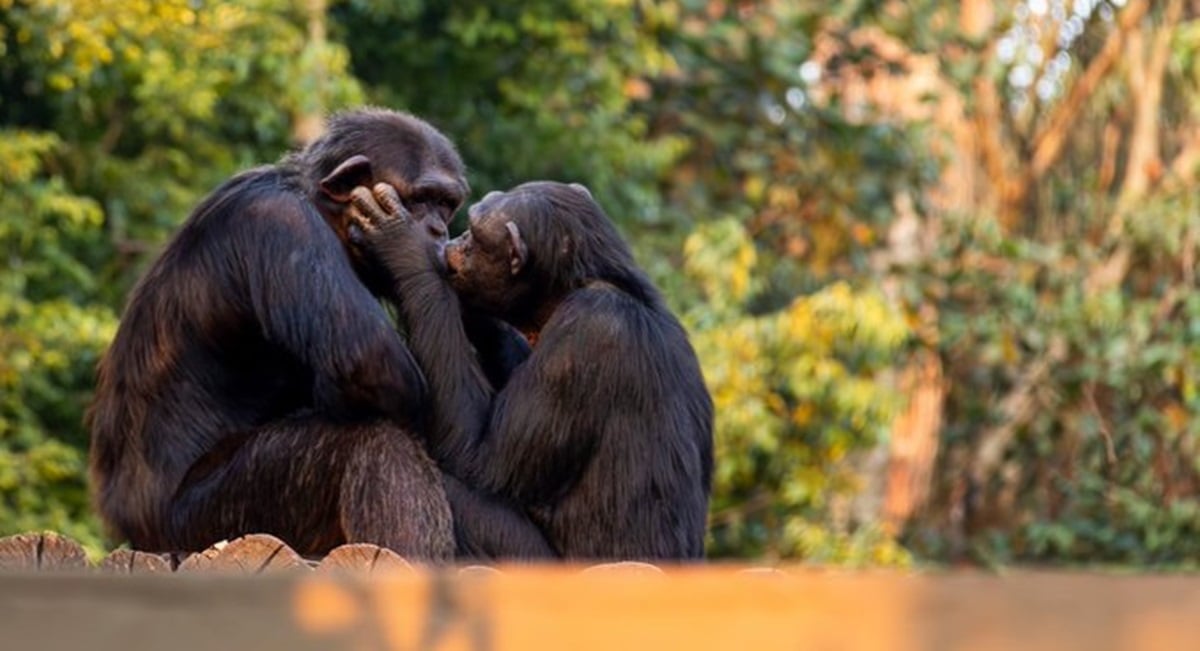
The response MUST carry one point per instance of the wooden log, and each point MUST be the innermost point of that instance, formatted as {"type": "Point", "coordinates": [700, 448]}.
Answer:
{"type": "Point", "coordinates": [625, 568]}
{"type": "Point", "coordinates": [20, 552]}
{"type": "Point", "coordinates": [765, 572]}
{"type": "Point", "coordinates": [176, 559]}
{"type": "Point", "coordinates": [257, 553]}
{"type": "Point", "coordinates": [201, 561]}
{"type": "Point", "coordinates": [129, 561]}
{"type": "Point", "coordinates": [42, 551]}
{"type": "Point", "coordinates": [62, 553]}
{"type": "Point", "coordinates": [481, 571]}
{"type": "Point", "coordinates": [364, 558]}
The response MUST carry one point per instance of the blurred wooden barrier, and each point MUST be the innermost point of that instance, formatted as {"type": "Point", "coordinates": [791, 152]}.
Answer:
{"type": "Point", "coordinates": [622, 607]}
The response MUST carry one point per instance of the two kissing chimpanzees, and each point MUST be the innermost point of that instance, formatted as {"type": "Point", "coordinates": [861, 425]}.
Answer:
{"type": "Point", "coordinates": [533, 398]}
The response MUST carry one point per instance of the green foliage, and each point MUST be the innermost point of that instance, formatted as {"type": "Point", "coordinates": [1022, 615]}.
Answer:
{"type": "Point", "coordinates": [50, 340]}
{"type": "Point", "coordinates": [160, 101]}
{"type": "Point", "coordinates": [114, 118]}
{"type": "Point", "coordinates": [1105, 466]}
{"type": "Point", "coordinates": [118, 116]}
{"type": "Point", "coordinates": [675, 113]}
{"type": "Point", "coordinates": [797, 391]}
{"type": "Point", "coordinates": [540, 89]}
{"type": "Point", "coordinates": [774, 145]}
{"type": "Point", "coordinates": [754, 189]}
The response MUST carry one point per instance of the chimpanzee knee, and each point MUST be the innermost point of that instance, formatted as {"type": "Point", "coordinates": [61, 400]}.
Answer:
{"type": "Point", "coordinates": [392, 495]}
{"type": "Point", "coordinates": [333, 483]}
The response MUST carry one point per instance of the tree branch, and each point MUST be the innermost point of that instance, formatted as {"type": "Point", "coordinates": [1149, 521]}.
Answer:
{"type": "Point", "coordinates": [1146, 74]}
{"type": "Point", "coordinates": [1048, 143]}
{"type": "Point", "coordinates": [1016, 409]}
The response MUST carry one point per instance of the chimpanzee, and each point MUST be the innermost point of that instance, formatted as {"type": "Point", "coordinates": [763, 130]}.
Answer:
{"type": "Point", "coordinates": [257, 384]}
{"type": "Point", "coordinates": [604, 434]}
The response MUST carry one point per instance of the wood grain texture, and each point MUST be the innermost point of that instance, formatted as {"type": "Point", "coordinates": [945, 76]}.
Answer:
{"type": "Point", "coordinates": [45, 552]}
{"type": "Point", "coordinates": [128, 561]}
{"type": "Point", "coordinates": [253, 554]}
{"type": "Point", "coordinates": [364, 558]}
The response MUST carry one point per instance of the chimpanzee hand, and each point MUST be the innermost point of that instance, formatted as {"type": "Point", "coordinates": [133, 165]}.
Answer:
{"type": "Point", "coordinates": [378, 208]}
{"type": "Point", "coordinates": [390, 232]}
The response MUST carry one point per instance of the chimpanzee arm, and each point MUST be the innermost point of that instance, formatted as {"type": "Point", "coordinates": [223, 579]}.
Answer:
{"type": "Point", "coordinates": [534, 436]}
{"type": "Point", "coordinates": [460, 392]}
{"type": "Point", "coordinates": [578, 389]}
{"type": "Point", "coordinates": [499, 348]}
{"type": "Point", "coordinates": [307, 299]}
{"type": "Point", "coordinates": [487, 524]}
{"type": "Point", "coordinates": [468, 431]}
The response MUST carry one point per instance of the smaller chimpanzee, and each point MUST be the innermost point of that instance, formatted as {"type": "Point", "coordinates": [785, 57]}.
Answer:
{"type": "Point", "coordinates": [604, 434]}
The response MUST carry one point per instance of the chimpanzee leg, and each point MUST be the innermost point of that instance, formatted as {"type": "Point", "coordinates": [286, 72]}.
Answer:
{"type": "Point", "coordinates": [317, 484]}
{"type": "Point", "coordinates": [488, 527]}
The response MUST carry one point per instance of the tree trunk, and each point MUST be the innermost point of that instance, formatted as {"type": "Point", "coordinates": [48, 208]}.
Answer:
{"type": "Point", "coordinates": [914, 442]}
{"type": "Point", "coordinates": [310, 122]}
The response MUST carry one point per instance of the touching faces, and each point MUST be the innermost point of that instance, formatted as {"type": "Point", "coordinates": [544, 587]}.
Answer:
{"type": "Point", "coordinates": [485, 261]}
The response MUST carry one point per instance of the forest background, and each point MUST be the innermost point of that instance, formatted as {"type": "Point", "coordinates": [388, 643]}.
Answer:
{"type": "Point", "coordinates": [938, 258]}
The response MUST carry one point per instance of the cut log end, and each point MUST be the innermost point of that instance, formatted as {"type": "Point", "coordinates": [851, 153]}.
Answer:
{"type": "Point", "coordinates": [47, 552]}
{"type": "Point", "coordinates": [364, 558]}
{"type": "Point", "coordinates": [252, 554]}
{"type": "Point", "coordinates": [128, 561]}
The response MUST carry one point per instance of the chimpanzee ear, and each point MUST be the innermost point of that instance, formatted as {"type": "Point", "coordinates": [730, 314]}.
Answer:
{"type": "Point", "coordinates": [582, 188]}
{"type": "Point", "coordinates": [353, 172]}
{"type": "Point", "coordinates": [517, 251]}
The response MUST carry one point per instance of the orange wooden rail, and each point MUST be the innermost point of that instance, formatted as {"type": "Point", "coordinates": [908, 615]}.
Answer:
{"type": "Point", "coordinates": [565, 608]}
{"type": "Point", "coordinates": [256, 593]}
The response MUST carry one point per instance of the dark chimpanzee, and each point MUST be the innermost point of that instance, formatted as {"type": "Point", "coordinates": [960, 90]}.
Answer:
{"type": "Point", "coordinates": [604, 434]}
{"type": "Point", "coordinates": [256, 384]}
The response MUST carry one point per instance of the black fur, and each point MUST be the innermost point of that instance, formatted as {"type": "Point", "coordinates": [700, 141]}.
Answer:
{"type": "Point", "coordinates": [256, 384]}
{"type": "Point", "coordinates": [604, 434]}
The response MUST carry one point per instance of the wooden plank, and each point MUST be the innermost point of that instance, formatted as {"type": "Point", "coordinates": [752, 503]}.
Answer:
{"type": "Point", "coordinates": [727, 608]}
{"type": "Point", "coordinates": [529, 607]}
{"type": "Point", "coordinates": [42, 551]}
{"type": "Point", "coordinates": [182, 612]}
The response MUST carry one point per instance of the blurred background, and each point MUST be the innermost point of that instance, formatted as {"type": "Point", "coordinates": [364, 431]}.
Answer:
{"type": "Point", "coordinates": [937, 257]}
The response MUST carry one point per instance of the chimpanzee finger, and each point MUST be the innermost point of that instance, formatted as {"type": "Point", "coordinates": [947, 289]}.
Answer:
{"type": "Point", "coordinates": [361, 198]}
{"type": "Point", "coordinates": [387, 197]}
{"type": "Point", "coordinates": [359, 226]}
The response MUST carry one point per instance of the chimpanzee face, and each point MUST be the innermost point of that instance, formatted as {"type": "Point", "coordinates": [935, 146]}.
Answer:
{"type": "Point", "coordinates": [431, 199]}
{"type": "Point", "coordinates": [486, 260]}
{"type": "Point", "coordinates": [414, 158]}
